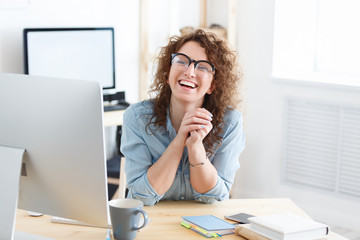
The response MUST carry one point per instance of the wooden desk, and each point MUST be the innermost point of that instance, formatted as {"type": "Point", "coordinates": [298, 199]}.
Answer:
{"type": "Point", "coordinates": [165, 219]}
{"type": "Point", "coordinates": [113, 118]}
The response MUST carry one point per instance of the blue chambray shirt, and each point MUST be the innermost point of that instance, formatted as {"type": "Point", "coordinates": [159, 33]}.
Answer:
{"type": "Point", "coordinates": [142, 148]}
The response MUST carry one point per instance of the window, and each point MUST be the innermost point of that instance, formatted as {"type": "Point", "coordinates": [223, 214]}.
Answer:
{"type": "Point", "coordinates": [317, 40]}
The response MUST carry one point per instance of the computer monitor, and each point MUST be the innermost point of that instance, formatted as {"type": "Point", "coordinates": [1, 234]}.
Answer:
{"type": "Point", "coordinates": [54, 127]}
{"type": "Point", "coordinates": [76, 53]}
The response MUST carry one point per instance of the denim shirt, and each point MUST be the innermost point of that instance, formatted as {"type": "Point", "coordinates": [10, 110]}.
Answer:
{"type": "Point", "coordinates": [142, 148]}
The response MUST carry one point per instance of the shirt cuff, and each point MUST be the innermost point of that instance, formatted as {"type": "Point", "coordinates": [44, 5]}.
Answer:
{"type": "Point", "coordinates": [143, 191]}
{"type": "Point", "coordinates": [217, 193]}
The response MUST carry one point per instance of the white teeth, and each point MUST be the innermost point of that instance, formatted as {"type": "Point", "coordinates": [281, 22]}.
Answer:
{"type": "Point", "coordinates": [189, 84]}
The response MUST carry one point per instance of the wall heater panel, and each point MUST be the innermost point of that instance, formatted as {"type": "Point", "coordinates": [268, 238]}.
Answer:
{"type": "Point", "coordinates": [322, 146]}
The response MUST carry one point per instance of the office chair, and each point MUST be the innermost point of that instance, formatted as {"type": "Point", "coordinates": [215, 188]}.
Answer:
{"type": "Point", "coordinates": [116, 170]}
{"type": "Point", "coordinates": [119, 181]}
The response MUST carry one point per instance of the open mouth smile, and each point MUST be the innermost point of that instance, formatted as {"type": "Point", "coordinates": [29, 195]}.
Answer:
{"type": "Point", "coordinates": [188, 84]}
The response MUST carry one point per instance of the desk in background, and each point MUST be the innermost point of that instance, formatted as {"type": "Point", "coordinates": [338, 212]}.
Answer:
{"type": "Point", "coordinates": [113, 118]}
{"type": "Point", "coordinates": [165, 219]}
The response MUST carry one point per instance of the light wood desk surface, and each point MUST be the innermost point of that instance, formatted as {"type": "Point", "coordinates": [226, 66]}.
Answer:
{"type": "Point", "coordinates": [165, 219]}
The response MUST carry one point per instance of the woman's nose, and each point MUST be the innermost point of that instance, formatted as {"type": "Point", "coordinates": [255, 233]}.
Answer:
{"type": "Point", "coordinates": [190, 71]}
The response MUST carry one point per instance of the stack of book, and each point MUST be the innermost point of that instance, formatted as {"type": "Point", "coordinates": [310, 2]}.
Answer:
{"type": "Point", "coordinates": [282, 227]}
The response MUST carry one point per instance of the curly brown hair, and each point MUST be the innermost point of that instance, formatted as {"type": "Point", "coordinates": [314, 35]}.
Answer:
{"type": "Point", "coordinates": [226, 82]}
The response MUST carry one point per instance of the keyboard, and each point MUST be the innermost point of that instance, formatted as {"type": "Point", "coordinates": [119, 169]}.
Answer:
{"type": "Point", "coordinates": [116, 107]}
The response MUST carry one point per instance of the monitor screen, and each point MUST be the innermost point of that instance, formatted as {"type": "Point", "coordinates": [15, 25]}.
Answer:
{"type": "Point", "coordinates": [76, 53]}
{"type": "Point", "coordinates": [61, 130]}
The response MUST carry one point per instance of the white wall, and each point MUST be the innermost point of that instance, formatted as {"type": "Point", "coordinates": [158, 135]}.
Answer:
{"type": "Point", "coordinates": [259, 175]}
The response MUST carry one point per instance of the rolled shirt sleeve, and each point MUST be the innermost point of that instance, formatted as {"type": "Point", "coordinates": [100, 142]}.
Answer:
{"type": "Point", "coordinates": [138, 159]}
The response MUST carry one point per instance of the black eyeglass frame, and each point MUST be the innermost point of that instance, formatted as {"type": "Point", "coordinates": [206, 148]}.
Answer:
{"type": "Point", "coordinates": [173, 55]}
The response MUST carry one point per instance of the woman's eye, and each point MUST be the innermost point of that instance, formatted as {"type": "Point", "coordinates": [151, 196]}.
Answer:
{"type": "Point", "coordinates": [202, 68]}
{"type": "Point", "coordinates": [181, 62]}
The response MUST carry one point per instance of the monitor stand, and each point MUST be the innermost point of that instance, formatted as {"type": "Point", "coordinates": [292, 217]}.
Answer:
{"type": "Point", "coordinates": [11, 164]}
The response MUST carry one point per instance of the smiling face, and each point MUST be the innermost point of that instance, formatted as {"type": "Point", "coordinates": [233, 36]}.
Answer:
{"type": "Point", "coordinates": [187, 86]}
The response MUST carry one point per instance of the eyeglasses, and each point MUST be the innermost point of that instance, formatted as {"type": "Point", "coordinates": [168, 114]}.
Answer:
{"type": "Point", "coordinates": [182, 62]}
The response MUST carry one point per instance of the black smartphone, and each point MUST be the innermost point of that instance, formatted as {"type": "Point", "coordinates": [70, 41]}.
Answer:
{"type": "Point", "coordinates": [240, 217]}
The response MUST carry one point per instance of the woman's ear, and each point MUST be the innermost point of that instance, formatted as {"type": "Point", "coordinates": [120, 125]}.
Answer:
{"type": "Point", "coordinates": [211, 89]}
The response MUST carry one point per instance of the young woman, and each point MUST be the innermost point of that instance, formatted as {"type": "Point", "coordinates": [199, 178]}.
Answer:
{"type": "Point", "coordinates": [185, 143]}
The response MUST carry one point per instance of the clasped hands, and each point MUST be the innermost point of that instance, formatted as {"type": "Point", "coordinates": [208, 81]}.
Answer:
{"type": "Point", "coordinates": [195, 125]}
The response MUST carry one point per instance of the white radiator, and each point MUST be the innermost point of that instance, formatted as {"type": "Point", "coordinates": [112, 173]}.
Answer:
{"type": "Point", "coordinates": [322, 146]}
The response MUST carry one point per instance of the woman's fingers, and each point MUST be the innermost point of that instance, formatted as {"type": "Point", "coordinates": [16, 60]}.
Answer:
{"type": "Point", "coordinates": [198, 120]}
{"type": "Point", "coordinates": [200, 133]}
{"type": "Point", "coordinates": [198, 113]}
